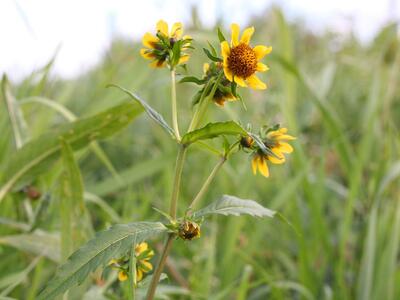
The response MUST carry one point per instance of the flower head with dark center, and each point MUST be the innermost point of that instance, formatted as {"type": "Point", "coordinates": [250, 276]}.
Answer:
{"type": "Point", "coordinates": [241, 61]}
{"type": "Point", "coordinates": [166, 48]}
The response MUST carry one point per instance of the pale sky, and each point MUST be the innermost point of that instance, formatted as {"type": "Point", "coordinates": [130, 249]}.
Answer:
{"type": "Point", "coordinates": [31, 30]}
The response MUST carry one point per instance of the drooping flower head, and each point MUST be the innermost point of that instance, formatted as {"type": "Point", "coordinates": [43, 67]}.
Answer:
{"type": "Point", "coordinates": [241, 61]}
{"type": "Point", "coordinates": [277, 142]}
{"type": "Point", "coordinates": [166, 48]}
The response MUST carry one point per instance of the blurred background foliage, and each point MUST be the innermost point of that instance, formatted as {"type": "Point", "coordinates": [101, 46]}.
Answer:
{"type": "Point", "coordinates": [340, 188]}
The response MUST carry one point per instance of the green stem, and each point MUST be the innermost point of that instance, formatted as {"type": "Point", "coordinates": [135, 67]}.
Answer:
{"type": "Point", "coordinates": [203, 103]}
{"type": "Point", "coordinates": [206, 184]}
{"type": "Point", "coordinates": [132, 273]}
{"type": "Point", "coordinates": [174, 106]}
{"type": "Point", "coordinates": [157, 273]}
{"type": "Point", "coordinates": [177, 180]}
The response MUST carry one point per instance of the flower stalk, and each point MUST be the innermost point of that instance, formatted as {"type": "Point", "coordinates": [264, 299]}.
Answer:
{"type": "Point", "coordinates": [174, 106]}
{"type": "Point", "coordinates": [160, 266]}
{"type": "Point", "coordinates": [180, 159]}
{"type": "Point", "coordinates": [203, 103]}
{"type": "Point", "coordinates": [206, 185]}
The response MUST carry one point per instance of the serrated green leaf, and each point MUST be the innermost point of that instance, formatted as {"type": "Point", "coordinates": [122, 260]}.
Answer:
{"type": "Point", "coordinates": [106, 245]}
{"type": "Point", "coordinates": [231, 205]}
{"type": "Point", "coordinates": [149, 110]}
{"type": "Point", "coordinates": [37, 155]}
{"type": "Point", "coordinates": [212, 130]}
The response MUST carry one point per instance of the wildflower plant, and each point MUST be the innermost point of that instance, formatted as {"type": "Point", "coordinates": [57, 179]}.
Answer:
{"type": "Point", "coordinates": [124, 247]}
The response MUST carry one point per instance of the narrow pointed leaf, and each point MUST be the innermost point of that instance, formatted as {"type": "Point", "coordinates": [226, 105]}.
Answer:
{"type": "Point", "coordinates": [38, 155]}
{"type": "Point", "coordinates": [149, 110]}
{"type": "Point", "coordinates": [106, 245]}
{"type": "Point", "coordinates": [231, 205]}
{"type": "Point", "coordinates": [212, 130]}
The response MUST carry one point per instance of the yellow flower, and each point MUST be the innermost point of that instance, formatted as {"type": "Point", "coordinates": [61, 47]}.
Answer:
{"type": "Point", "coordinates": [122, 275]}
{"type": "Point", "coordinates": [276, 141]}
{"type": "Point", "coordinates": [143, 265]}
{"type": "Point", "coordinates": [143, 254]}
{"type": "Point", "coordinates": [160, 48]}
{"type": "Point", "coordinates": [241, 61]}
{"type": "Point", "coordinates": [223, 92]}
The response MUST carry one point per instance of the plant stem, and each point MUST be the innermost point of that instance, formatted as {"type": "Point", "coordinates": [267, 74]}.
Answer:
{"type": "Point", "coordinates": [206, 184]}
{"type": "Point", "coordinates": [203, 103]}
{"type": "Point", "coordinates": [177, 180]}
{"type": "Point", "coordinates": [174, 106]}
{"type": "Point", "coordinates": [194, 121]}
{"type": "Point", "coordinates": [160, 266]}
{"type": "Point", "coordinates": [132, 273]}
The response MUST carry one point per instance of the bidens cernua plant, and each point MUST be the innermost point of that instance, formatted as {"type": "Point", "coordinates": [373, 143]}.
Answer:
{"type": "Point", "coordinates": [124, 248]}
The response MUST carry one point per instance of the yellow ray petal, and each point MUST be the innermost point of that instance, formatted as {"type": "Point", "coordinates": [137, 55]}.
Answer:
{"type": "Point", "coordinates": [285, 147]}
{"type": "Point", "coordinates": [162, 26]}
{"type": "Point", "coordinates": [177, 30]}
{"type": "Point", "coordinates": [235, 34]}
{"type": "Point", "coordinates": [206, 67]}
{"type": "Point", "coordinates": [183, 59]}
{"type": "Point", "coordinates": [139, 275]}
{"type": "Point", "coordinates": [275, 160]}
{"type": "Point", "coordinates": [240, 81]}
{"type": "Point", "coordinates": [255, 83]}
{"type": "Point", "coordinates": [122, 276]}
{"type": "Point", "coordinates": [225, 50]}
{"type": "Point", "coordinates": [280, 159]}
{"type": "Point", "coordinates": [149, 40]}
{"type": "Point", "coordinates": [282, 130]}
{"type": "Point", "coordinates": [285, 137]}
{"type": "Point", "coordinates": [263, 167]}
{"type": "Point", "coordinates": [146, 266]}
{"type": "Point", "coordinates": [187, 37]}
{"type": "Point", "coordinates": [254, 164]}
{"type": "Point", "coordinates": [157, 64]}
{"type": "Point", "coordinates": [145, 54]}
{"type": "Point", "coordinates": [247, 34]}
{"type": "Point", "coordinates": [228, 74]}
{"type": "Point", "coordinates": [141, 248]}
{"type": "Point", "coordinates": [261, 51]}
{"type": "Point", "coordinates": [261, 67]}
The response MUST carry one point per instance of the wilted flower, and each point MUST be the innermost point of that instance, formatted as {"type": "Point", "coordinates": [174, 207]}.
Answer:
{"type": "Point", "coordinates": [189, 230]}
{"type": "Point", "coordinates": [166, 47]}
{"type": "Point", "coordinates": [241, 61]}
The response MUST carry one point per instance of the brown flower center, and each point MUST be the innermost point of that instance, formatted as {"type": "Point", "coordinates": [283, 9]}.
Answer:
{"type": "Point", "coordinates": [242, 61]}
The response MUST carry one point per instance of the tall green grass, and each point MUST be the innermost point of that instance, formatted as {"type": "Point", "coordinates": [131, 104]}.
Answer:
{"type": "Point", "coordinates": [340, 189]}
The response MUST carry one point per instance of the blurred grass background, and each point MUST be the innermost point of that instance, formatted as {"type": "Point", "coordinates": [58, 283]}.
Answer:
{"type": "Point", "coordinates": [340, 188]}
